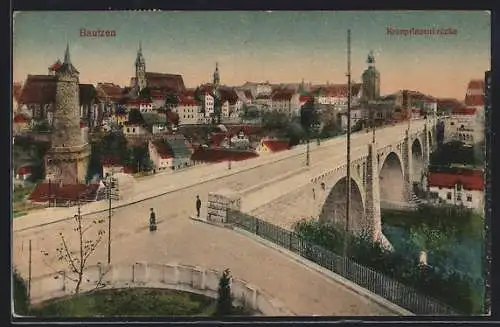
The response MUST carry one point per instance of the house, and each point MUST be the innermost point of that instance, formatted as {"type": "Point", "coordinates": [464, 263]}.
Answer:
{"type": "Point", "coordinates": [161, 155]}
{"type": "Point", "coordinates": [272, 145]}
{"type": "Point", "coordinates": [134, 129]}
{"type": "Point", "coordinates": [67, 194]}
{"type": "Point", "coordinates": [287, 102]}
{"type": "Point", "coordinates": [21, 123]}
{"type": "Point", "coordinates": [111, 165]}
{"type": "Point", "coordinates": [239, 141]}
{"type": "Point", "coordinates": [462, 187]}
{"type": "Point", "coordinates": [335, 95]}
{"type": "Point", "coordinates": [189, 111]}
{"type": "Point", "coordinates": [23, 173]}
{"type": "Point", "coordinates": [231, 104]}
{"type": "Point", "coordinates": [263, 102]}
{"type": "Point", "coordinates": [145, 106]}
{"type": "Point", "coordinates": [475, 97]}
{"type": "Point", "coordinates": [464, 125]}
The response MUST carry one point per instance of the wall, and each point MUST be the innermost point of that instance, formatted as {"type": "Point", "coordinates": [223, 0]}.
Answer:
{"type": "Point", "coordinates": [477, 202]}
{"type": "Point", "coordinates": [167, 276]}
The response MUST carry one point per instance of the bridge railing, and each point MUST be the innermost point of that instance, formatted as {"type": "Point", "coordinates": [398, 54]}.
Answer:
{"type": "Point", "coordinates": [388, 288]}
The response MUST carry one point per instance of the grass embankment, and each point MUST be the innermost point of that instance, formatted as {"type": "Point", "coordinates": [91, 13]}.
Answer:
{"type": "Point", "coordinates": [131, 302]}
{"type": "Point", "coordinates": [20, 205]}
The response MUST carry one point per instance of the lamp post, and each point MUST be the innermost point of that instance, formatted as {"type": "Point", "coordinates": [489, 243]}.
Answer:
{"type": "Point", "coordinates": [108, 189]}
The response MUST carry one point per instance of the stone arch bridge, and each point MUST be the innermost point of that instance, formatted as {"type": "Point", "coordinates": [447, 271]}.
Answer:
{"type": "Point", "coordinates": [385, 172]}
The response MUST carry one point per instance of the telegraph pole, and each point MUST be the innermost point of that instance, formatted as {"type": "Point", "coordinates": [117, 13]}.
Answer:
{"type": "Point", "coordinates": [308, 156]}
{"type": "Point", "coordinates": [29, 272]}
{"type": "Point", "coordinates": [348, 177]}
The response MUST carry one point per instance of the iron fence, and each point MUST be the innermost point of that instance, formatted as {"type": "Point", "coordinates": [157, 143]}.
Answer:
{"type": "Point", "coordinates": [388, 288]}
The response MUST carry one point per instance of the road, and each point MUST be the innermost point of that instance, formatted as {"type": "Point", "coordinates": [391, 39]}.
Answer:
{"type": "Point", "coordinates": [184, 241]}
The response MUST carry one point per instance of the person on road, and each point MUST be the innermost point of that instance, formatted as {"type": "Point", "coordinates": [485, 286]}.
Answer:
{"type": "Point", "coordinates": [152, 220]}
{"type": "Point", "coordinates": [198, 206]}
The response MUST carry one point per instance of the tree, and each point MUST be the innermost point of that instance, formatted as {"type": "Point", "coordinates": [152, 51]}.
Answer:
{"type": "Point", "coordinates": [171, 100]}
{"type": "Point", "coordinates": [145, 94]}
{"type": "Point", "coordinates": [295, 133]}
{"type": "Point", "coordinates": [308, 116]}
{"type": "Point", "coordinates": [225, 299]}
{"type": "Point", "coordinates": [77, 260]}
{"type": "Point", "coordinates": [427, 239]}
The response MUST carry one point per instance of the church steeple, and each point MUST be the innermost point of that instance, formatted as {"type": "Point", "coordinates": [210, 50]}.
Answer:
{"type": "Point", "coordinates": [371, 59]}
{"type": "Point", "coordinates": [140, 69]}
{"type": "Point", "coordinates": [67, 67]}
{"type": "Point", "coordinates": [216, 79]}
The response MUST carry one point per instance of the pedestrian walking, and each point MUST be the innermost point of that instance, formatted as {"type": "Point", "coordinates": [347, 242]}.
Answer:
{"type": "Point", "coordinates": [152, 220]}
{"type": "Point", "coordinates": [198, 206]}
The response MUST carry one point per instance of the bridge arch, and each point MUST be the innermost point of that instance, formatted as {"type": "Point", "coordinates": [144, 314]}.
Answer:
{"type": "Point", "coordinates": [391, 179]}
{"type": "Point", "coordinates": [417, 162]}
{"type": "Point", "coordinates": [334, 206]}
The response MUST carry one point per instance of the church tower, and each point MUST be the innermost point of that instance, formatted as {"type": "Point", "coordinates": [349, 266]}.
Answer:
{"type": "Point", "coordinates": [140, 70]}
{"type": "Point", "coordinates": [216, 79]}
{"type": "Point", "coordinates": [371, 80]}
{"type": "Point", "coordinates": [67, 159]}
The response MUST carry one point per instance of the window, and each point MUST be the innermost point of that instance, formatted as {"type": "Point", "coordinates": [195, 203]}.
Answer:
{"type": "Point", "coordinates": [459, 187]}
{"type": "Point", "coordinates": [469, 198]}
{"type": "Point", "coordinates": [128, 130]}
{"type": "Point", "coordinates": [133, 130]}
{"type": "Point", "coordinates": [448, 195]}
{"type": "Point", "coordinates": [459, 197]}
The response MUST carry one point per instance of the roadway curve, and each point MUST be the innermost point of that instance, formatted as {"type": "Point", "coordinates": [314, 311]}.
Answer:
{"type": "Point", "coordinates": [185, 241]}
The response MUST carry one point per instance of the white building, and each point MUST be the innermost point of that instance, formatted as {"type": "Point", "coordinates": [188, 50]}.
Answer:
{"type": "Point", "coordinates": [161, 155]}
{"type": "Point", "coordinates": [132, 129]}
{"type": "Point", "coordinates": [189, 111]}
{"type": "Point", "coordinates": [464, 125]}
{"type": "Point", "coordinates": [336, 95]}
{"type": "Point", "coordinates": [146, 107]}
{"type": "Point", "coordinates": [208, 105]}
{"type": "Point", "coordinates": [287, 102]}
{"type": "Point", "coordinates": [461, 188]}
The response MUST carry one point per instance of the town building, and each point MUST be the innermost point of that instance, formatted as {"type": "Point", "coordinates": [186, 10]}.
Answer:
{"type": "Point", "coordinates": [133, 129]}
{"type": "Point", "coordinates": [189, 111]}
{"type": "Point", "coordinates": [111, 165]}
{"type": "Point", "coordinates": [461, 187]}
{"type": "Point", "coordinates": [161, 155]}
{"type": "Point", "coordinates": [286, 102]}
{"type": "Point", "coordinates": [21, 123]}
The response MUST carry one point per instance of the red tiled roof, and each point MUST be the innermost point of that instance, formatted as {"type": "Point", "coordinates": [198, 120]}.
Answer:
{"type": "Point", "coordinates": [276, 145]}
{"type": "Point", "coordinates": [128, 169]}
{"type": "Point", "coordinates": [39, 89]}
{"type": "Point", "coordinates": [463, 111]}
{"type": "Point", "coordinates": [110, 161]}
{"type": "Point", "coordinates": [471, 180]}
{"type": "Point", "coordinates": [476, 84]}
{"type": "Point", "coordinates": [20, 119]}
{"type": "Point", "coordinates": [227, 94]}
{"type": "Point", "coordinates": [66, 192]}
{"type": "Point", "coordinates": [339, 90]}
{"type": "Point", "coordinates": [474, 100]}
{"type": "Point", "coordinates": [55, 66]}
{"type": "Point", "coordinates": [171, 82]}
{"type": "Point", "coordinates": [220, 155]}
{"type": "Point", "coordinates": [164, 150]}
{"type": "Point", "coordinates": [109, 91]}
{"type": "Point", "coordinates": [282, 95]}
{"type": "Point", "coordinates": [24, 170]}
{"type": "Point", "coordinates": [187, 101]}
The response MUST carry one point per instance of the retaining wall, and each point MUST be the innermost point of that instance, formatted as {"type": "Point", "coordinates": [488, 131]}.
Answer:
{"type": "Point", "coordinates": [149, 275]}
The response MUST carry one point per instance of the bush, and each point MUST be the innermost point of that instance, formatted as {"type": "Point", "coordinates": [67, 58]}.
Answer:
{"type": "Point", "coordinates": [20, 290]}
{"type": "Point", "coordinates": [457, 290]}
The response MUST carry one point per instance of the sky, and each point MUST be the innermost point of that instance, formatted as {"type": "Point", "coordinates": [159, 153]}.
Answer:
{"type": "Point", "coordinates": [279, 46]}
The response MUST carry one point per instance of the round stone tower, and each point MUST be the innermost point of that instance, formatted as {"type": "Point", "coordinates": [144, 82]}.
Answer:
{"type": "Point", "coordinates": [371, 80]}
{"type": "Point", "coordinates": [68, 158]}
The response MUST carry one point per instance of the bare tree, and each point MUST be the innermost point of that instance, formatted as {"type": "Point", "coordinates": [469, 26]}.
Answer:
{"type": "Point", "coordinates": [77, 261]}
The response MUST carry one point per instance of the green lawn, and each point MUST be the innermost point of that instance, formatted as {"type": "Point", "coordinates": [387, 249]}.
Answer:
{"type": "Point", "coordinates": [131, 302]}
